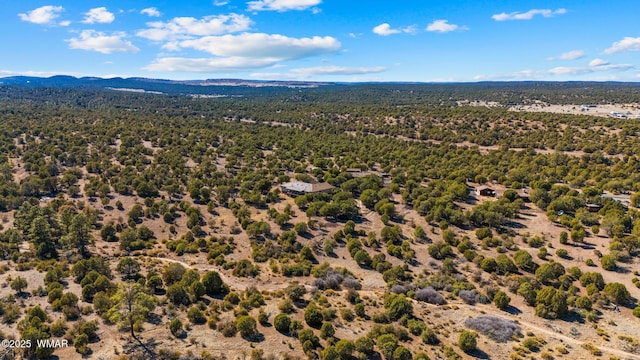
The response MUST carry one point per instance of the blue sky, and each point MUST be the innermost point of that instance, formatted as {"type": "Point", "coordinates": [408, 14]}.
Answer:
{"type": "Point", "coordinates": [324, 40]}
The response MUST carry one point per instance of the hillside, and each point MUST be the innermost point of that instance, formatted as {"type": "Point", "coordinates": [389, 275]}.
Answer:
{"type": "Point", "coordinates": [140, 225]}
{"type": "Point", "coordinates": [504, 94]}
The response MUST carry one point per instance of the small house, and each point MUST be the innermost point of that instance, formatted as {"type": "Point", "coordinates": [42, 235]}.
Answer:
{"type": "Point", "coordinates": [296, 188]}
{"type": "Point", "coordinates": [593, 207]}
{"type": "Point", "coordinates": [485, 191]}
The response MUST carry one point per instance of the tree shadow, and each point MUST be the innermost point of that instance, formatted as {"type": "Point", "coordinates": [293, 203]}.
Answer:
{"type": "Point", "coordinates": [471, 200]}
{"type": "Point", "coordinates": [300, 304]}
{"type": "Point", "coordinates": [256, 338]}
{"type": "Point", "coordinates": [573, 317]}
{"type": "Point", "coordinates": [137, 349]}
{"type": "Point", "coordinates": [479, 354]}
{"type": "Point", "coordinates": [23, 294]}
{"type": "Point", "coordinates": [205, 300]}
{"type": "Point", "coordinates": [160, 292]}
{"type": "Point", "coordinates": [465, 226]}
{"type": "Point", "coordinates": [154, 319]}
{"type": "Point", "coordinates": [87, 354]}
{"type": "Point", "coordinates": [622, 270]}
{"type": "Point", "coordinates": [514, 225]}
{"type": "Point", "coordinates": [630, 304]}
{"type": "Point", "coordinates": [306, 235]}
{"type": "Point", "coordinates": [513, 310]}
{"type": "Point", "coordinates": [583, 246]}
{"type": "Point", "coordinates": [374, 356]}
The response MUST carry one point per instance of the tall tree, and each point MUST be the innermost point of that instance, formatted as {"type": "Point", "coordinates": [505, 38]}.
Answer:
{"type": "Point", "coordinates": [132, 306]}
{"type": "Point", "coordinates": [79, 235]}
{"type": "Point", "coordinates": [41, 235]}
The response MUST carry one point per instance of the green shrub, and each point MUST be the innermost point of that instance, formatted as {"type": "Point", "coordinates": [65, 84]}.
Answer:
{"type": "Point", "coordinates": [397, 305]}
{"type": "Point", "coordinates": [58, 328]}
{"type": "Point", "coordinates": [327, 330]}
{"type": "Point", "coordinates": [483, 233]}
{"type": "Point", "coordinates": [345, 348]}
{"type": "Point", "coordinates": [489, 265]}
{"type": "Point", "coordinates": [589, 262]}
{"type": "Point", "coordinates": [227, 328]}
{"type": "Point", "coordinates": [551, 303]}
{"type": "Point", "coordinates": [429, 337]}
{"type": "Point", "coordinates": [313, 316]}
{"type": "Point", "coordinates": [196, 316]}
{"type": "Point", "coordinates": [501, 300]}
{"type": "Point", "coordinates": [247, 327]}
{"type": "Point", "coordinates": [402, 353]}
{"type": "Point", "coordinates": [583, 302]}
{"type": "Point", "coordinates": [467, 341]}
{"type": "Point", "coordinates": [263, 318]}
{"type": "Point", "coordinates": [364, 345]}
{"type": "Point", "coordinates": [608, 262]}
{"type": "Point", "coordinates": [80, 343]}
{"type": "Point", "coordinates": [175, 326]}
{"type": "Point", "coordinates": [617, 293]}
{"type": "Point", "coordinates": [532, 343]}
{"type": "Point", "coordinates": [564, 237]}
{"type": "Point", "coordinates": [282, 323]}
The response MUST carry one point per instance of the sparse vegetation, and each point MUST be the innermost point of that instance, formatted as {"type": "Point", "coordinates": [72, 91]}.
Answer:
{"type": "Point", "coordinates": [467, 341]}
{"type": "Point", "coordinates": [496, 328]}
{"type": "Point", "coordinates": [154, 215]}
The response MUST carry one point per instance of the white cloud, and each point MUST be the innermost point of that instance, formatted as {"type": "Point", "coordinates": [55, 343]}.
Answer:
{"type": "Point", "coordinates": [98, 15]}
{"type": "Point", "coordinates": [184, 27]}
{"type": "Point", "coordinates": [598, 62]}
{"type": "Point", "coordinates": [386, 30]}
{"type": "Point", "coordinates": [92, 40]}
{"type": "Point", "coordinates": [281, 5]}
{"type": "Point", "coordinates": [529, 14]}
{"type": "Point", "coordinates": [595, 66]}
{"type": "Point", "coordinates": [260, 45]}
{"type": "Point", "coordinates": [64, 23]}
{"type": "Point", "coordinates": [152, 11]}
{"type": "Point", "coordinates": [5, 73]}
{"type": "Point", "coordinates": [181, 64]}
{"type": "Point", "coordinates": [569, 55]}
{"type": "Point", "coordinates": [220, 3]}
{"type": "Point", "coordinates": [626, 44]}
{"type": "Point", "coordinates": [44, 15]}
{"type": "Point", "coordinates": [309, 72]}
{"type": "Point", "coordinates": [242, 52]}
{"type": "Point", "coordinates": [443, 26]}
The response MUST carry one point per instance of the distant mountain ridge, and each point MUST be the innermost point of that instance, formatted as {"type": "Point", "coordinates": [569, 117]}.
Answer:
{"type": "Point", "coordinates": [139, 84]}
{"type": "Point", "coordinates": [399, 93]}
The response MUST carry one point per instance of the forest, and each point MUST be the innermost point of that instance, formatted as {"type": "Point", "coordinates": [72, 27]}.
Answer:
{"type": "Point", "coordinates": [141, 226]}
